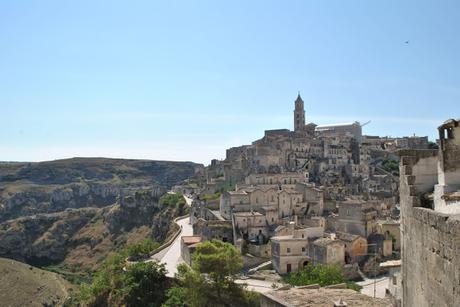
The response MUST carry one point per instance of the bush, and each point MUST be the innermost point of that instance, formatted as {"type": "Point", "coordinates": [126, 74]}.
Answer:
{"type": "Point", "coordinates": [141, 248]}
{"type": "Point", "coordinates": [391, 166]}
{"type": "Point", "coordinates": [140, 284]}
{"type": "Point", "coordinates": [324, 275]}
{"type": "Point", "coordinates": [211, 196]}
{"type": "Point", "coordinates": [173, 200]}
{"type": "Point", "coordinates": [210, 281]}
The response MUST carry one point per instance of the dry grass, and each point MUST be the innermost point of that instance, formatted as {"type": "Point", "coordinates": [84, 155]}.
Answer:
{"type": "Point", "coordinates": [24, 285]}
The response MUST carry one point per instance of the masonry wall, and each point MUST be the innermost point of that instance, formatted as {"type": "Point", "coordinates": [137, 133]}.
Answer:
{"type": "Point", "coordinates": [430, 240]}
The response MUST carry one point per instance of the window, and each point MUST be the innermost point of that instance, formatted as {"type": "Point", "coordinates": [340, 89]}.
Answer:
{"type": "Point", "coordinates": [303, 249]}
{"type": "Point", "coordinates": [288, 250]}
{"type": "Point", "coordinates": [303, 236]}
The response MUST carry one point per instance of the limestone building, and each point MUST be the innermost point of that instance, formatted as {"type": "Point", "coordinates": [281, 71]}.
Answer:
{"type": "Point", "coordinates": [430, 227]}
{"type": "Point", "coordinates": [290, 248]}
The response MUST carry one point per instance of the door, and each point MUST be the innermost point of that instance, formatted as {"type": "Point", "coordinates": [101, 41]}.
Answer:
{"type": "Point", "coordinates": [288, 268]}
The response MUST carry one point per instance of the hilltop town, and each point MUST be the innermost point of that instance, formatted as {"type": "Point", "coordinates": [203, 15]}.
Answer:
{"type": "Point", "coordinates": [321, 214]}
{"type": "Point", "coordinates": [327, 195]}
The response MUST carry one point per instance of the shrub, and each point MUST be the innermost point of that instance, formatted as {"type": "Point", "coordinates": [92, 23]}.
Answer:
{"type": "Point", "coordinates": [172, 200]}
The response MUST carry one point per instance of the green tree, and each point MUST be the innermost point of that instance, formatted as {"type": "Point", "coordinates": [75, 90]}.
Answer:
{"type": "Point", "coordinates": [176, 297]}
{"type": "Point", "coordinates": [115, 284]}
{"type": "Point", "coordinates": [141, 248]}
{"type": "Point", "coordinates": [210, 280]}
{"type": "Point", "coordinates": [144, 284]}
{"type": "Point", "coordinates": [323, 275]}
{"type": "Point", "coordinates": [220, 260]}
{"type": "Point", "coordinates": [172, 200]}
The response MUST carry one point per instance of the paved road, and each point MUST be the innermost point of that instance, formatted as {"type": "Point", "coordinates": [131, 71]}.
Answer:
{"type": "Point", "coordinates": [171, 256]}
{"type": "Point", "coordinates": [380, 286]}
{"type": "Point", "coordinates": [188, 200]}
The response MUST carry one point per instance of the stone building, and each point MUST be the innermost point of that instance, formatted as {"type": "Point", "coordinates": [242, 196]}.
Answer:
{"type": "Point", "coordinates": [188, 246]}
{"type": "Point", "coordinates": [290, 247]}
{"type": "Point", "coordinates": [353, 129]}
{"type": "Point", "coordinates": [379, 244]}
{"type": "Point", "coordinates": [356, 217]}
{"type": "Point", "coordinates": [337, 157]}
{"type": "Point", "coordinates": [313, 295]}
{"type": "Point", "coordinates": [430, 221]}
{"type": "Point", "coordinates": [355, 246]}
{"type": "Point", "coordinates": [327, 251]}
{"type": "Point", "coordinates": [287, 200]}
{"type": "Point", "coordinates": [392, 230]}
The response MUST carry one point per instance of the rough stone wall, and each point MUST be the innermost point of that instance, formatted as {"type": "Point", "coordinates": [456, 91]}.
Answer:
{"type": "Point", "coordinates": [431, 240]}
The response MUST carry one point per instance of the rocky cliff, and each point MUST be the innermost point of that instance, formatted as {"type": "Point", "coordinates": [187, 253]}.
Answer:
{"type": "Point", "coordinates": [75, 211]}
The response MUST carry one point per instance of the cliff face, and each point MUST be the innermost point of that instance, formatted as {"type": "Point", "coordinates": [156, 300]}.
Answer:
{"type": "Point", "coordinates": [32, 188]}
{"type": "Point", "coordinates": [76, 211]}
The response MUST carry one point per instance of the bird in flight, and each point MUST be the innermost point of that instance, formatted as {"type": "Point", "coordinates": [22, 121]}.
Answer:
{"type": "Point", "coordinates": [407, 42]}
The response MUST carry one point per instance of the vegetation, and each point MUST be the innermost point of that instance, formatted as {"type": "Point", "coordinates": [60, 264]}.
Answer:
{"type": "Point", "coordinates": [391, 166]}
{"type": "Point", "coordinates": [433, 145]}
{"type": "Point", "coordinates": [114, 284]}
{"type": "Point", "coordinates": [324, 275]}
{"type": "Point", "coordinates": [141, 248]}
{"type": "Point", "coordinates": [74, 274]}
{"type": "Point", "coordinates": [211, 196]}
{"type": "Point", "coordinates": [173, 200]}
{"type": "Point", "coordinates": [210, 281]}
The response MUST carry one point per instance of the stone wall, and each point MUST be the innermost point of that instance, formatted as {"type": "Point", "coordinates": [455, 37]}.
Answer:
{"type": "Point", "coordinates": [431, 240]}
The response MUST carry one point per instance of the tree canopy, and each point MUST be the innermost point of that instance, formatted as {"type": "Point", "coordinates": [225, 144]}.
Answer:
{"type": "Point", "coordinates": [210, 280]}
{"type": "Point", "coordinates": [115, 284]}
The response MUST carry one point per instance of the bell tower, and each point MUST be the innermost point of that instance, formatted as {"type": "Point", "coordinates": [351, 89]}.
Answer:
{"type": "Point", "coordinates": [299, 114]}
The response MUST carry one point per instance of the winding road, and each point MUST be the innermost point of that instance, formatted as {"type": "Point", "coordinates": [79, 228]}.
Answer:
{"type": "Point", "coordinates": [171, 256]}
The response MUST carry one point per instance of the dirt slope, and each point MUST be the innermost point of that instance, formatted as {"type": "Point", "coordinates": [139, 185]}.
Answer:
{"type": "Point", "coordinates": [24, 285]}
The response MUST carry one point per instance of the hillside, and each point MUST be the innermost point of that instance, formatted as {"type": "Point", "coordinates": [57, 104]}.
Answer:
{"type": "Point", "coordinates": [45, 187]}
{"type": "Point", "coordinates": [24, 285]}
{"type": "Point", "coordinates": [72, 213]}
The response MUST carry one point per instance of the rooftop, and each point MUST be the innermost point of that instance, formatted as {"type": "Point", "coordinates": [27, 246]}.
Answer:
{"type": "Point", "coordinates": [247, 214]}
{"type": "Point", "coordinates": [287, 238]}
{"type": "Point", "coordinates": [347, 236]}
{"type": "Point", "coordinates": [324, 297]}
{"type": "Point", "coordinates": [336, 125]}
{"type": "Point", "coordinates": [189, 240]}
{"type": "Point", "coordinates": [325, 241]}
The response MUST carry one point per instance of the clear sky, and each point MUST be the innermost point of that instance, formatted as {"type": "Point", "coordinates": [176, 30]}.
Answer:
{"type": "Point", "coordinates": [184, 80]}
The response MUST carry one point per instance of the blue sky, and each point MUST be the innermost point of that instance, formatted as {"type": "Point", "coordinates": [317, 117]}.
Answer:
{"type": "Point", "coordinates": [184, 80]}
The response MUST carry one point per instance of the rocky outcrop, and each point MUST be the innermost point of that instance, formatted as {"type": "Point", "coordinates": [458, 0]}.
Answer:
{"type": "Point", "coordinates": [76, 211]}
{"type": "Point", "coordinates": [47, 187]}
{"type": "Point", "coordinates": [85, 236]}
